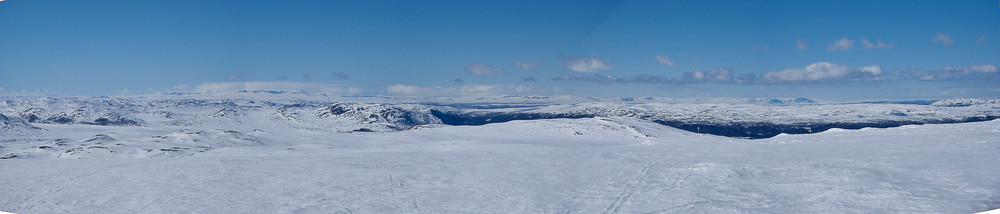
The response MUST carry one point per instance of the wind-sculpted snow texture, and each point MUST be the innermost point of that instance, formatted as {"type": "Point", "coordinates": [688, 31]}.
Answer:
{"type": "Point", "coordinates": [319, 154]}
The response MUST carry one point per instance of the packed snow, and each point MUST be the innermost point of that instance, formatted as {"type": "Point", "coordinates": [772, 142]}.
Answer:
{"type": "Point", "coordinates": [322, 155]}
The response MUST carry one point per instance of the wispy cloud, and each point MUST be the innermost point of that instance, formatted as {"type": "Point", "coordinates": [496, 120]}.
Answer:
{"type": "Point", "coordinates": [464, 90]}
{"type": "Point", "coordinates": [282, 77]}
{"type": "Point", "coordinates": [586, 65]}
{"type": "Point", "coordinates": [664, 60]}
{"type": "Point", "coordinates": [493, 89]}
{"type": "Point", "coordinates": [31, 93]}
{"type": "Point", "coordinates": [483, 69]}
{"type": "Point", "coordinates": [944, 39]}
{"type": "Point", "coordinates": [413, 90]}
{"type": "Point", "coordinates": [877, 44]}
{"type": "Point", "coordinates": [801, 44]}
{"type": "Point", "coordinates": [843, 44]}
{"type": "Point", "coordinates": [236, 76]}
{"type": "Point", "coordinates": [988, 68]}
{"type": "Point", "coordinates": [527, 66]}
{"type": "Point", "coordinates": [822, 71]}
{"type": "Point", "coordinates": [457, 80]}
{"type": "Point", "coordinates": [952, 73]}
{"type": "Point", "coordinates": [306, 76]}
{"type": "Point", "coordinates": [813, 73]}
{"type": "Point", "coordinates": [528, 79]}
{"type": "Point", "coordinates": [310, 87]}
{"type": "Point", "coordinates": [642, 78]}
{"type": "Point", "coordinates": [982, 39]}
{"type": "Point", "coordinates": [718, 75]}
{"type": "Point", "coordinates": [714, 75]}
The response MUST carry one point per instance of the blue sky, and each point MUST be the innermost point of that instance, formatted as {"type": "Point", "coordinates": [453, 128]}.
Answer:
{"type": "Point", "coordinates": [772, 48]}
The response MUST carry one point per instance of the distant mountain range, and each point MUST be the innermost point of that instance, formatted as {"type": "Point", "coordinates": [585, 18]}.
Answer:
{"type": "Point", "coordinates": [743, 118]}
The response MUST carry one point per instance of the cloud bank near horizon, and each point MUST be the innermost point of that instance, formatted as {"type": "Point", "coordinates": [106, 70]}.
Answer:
{"type": "Point", "coordinates": [820, 72]}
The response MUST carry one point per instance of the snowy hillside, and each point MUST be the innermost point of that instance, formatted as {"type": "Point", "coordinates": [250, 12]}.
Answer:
{"type": "Point", "coordinates": [746, 118]}
{"type": "Point", "coordinates": [314, 154]}
{"type": "Point", "coordinates": [15, 127]}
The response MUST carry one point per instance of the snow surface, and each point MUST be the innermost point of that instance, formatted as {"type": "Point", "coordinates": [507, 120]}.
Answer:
{"type": "Point", "coordinates": [990, 212]}
{"type": "Point", "coordinates": [734, 117]}
{"type": "Point", "coordinates": [246, 156]}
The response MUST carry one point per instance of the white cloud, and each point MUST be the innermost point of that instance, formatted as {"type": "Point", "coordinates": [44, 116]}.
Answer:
{"type": "Point", "coordinates": [527, 66]}
{"type": "Point", "coordinates": [664, 60]}
{"type": "Point", "coordinates": [984, 68]}
{"type": "Point", "coordinates": [482, 69]}
{"type": "Point", "coordinates": [718, 75]}
{"type": "Point", "coordinates": [464, 90]}
{"type": "Point", "coordinates": [124, 91]}
{"type": "Point", "coordinates": [714, 75]}
{"type": "Point", "coordinates": [867, 44]}
{"type": "Point", "coordinates": [988, 68]}
{"type": "Point", "coordinates": [951, 73]}
{"type": "Point", "coordinates": [944, 39]}
{"type": "Point", "coordinates": [586, 65]}
{"type": "Point", "coordinates": [411, 90]}
{"type": "Point", "coordinates": [14, 93]}
{"type": "Point", "coordinates": [874, 70]}
{"type": "Point", "coordinates": [800, 44]}
{"type": "Point", "coordinates": [813, 72]}
{"type": "Point", "coordinates": [477, 88]}
{"type": "Point", "coordinates": [877, 44]}
{"type": "Point", "coordinates": [309, 87]}
{"type": "Point", "coordinates": [493, 89]}
{"type": "Point", "coordinates": [843, 44]}
{"type": "Point", "coordinates": [822, 71]}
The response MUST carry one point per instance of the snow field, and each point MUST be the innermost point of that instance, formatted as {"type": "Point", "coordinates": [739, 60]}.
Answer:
{"type": "Point", "coordinates": [593, 165]}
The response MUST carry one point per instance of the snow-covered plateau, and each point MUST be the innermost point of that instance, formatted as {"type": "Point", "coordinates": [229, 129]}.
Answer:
{"type": "Point", "coordinates": [295, 153]}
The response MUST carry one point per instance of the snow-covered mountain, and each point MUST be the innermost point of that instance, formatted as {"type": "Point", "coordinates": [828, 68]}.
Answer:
{"type": "Point", "coordinates": [298, 153]}
{"type": "Point", "coordinates": [15, 126]}
{"type": "Point", "coordinates": [749, 118]}
{"type": "Point", "coordinates": [182, 125]}
{"type": "Point", "coordinates": [186, 125]}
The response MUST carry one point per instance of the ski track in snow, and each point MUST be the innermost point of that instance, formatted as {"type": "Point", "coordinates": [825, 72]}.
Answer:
{"type": "Point", "coordinates": [638, 182]}
{"type": "Point", "coordinates": [589, 165]}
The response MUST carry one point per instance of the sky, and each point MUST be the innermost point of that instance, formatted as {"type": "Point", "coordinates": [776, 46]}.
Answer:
{"type": "Point", "coordinates": [835, 50]}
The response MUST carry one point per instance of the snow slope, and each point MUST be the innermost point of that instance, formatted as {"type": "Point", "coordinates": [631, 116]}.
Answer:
{"type": "Point", "coordinates": [735, 118]}
{"type": "Point", "coordinates": [15, 126]}
{"type": "Point", "coordinates": [588, 165]}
